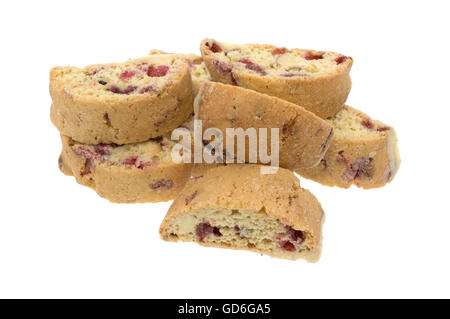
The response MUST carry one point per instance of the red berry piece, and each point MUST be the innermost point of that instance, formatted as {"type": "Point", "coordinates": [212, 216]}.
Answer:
{"type": "Point", "coordinates": [202, 230]}
{"type": "Point", "coordinates": [287, 245]}
{"type": "Point", "coordinates": [130, 160]}
{"type": "Point", "coordinates": [190, 198]}
{"type": "Point", "coordinates": [340, 59]}
{"type": "Point", "coordinates": [163, 183]}
{"type": "Point", "coordinates": [214, 47]}
{"type": "Point", "coordinates": [146, 89]}
{"type": "Point", "coordinates": [127, 74]}
{"type": "Point", "coordinates": [115, 89]}
{"type": "Point", "coordinates": [313, 56]}
{"type": "Point", "coordinates": [278, 51]}
{"type": "Point", "coordinates": [129, 89]}
{"type": "Point", "coordinates": [102, 149]}
{"type": "Point", "coordinates": [143, 164]}
{"type": "Point", "coordinates": [158, 71]}
{"type": "Point", "coordinates": [252, 66]}
{"type": "Point", "coordinates": [367, 123]}
{"type": "Point", "coordinates": [295, 235]}
{"type": "Point", "coordinates": [290, 75]}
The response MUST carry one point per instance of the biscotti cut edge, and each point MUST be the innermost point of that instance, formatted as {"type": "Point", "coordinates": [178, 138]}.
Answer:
{"type": "Point", "coordinates": [363, 152]}
{"type": "Point", "coordinates": [324, 94]}
{"type": "Point", "coordinates": [276, 200]}
{"type": "Point", "coordinates": [121, 118]}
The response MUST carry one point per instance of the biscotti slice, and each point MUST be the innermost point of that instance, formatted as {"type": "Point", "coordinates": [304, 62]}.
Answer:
{"type": "Point", "coordinates": [318, 81]}
{"type": "Point", "coordinates": [235, 206]}
{"type": "Point", "coordinates": [130, 173]}
{"type": "Point", "coordinates": [303, 137]}
{"type": "Point", "coordinates": [363, 152]}
{"type": "Point", "coordinates": [199, 72]}
{"type": "Point", "coordinates": [121, 102]}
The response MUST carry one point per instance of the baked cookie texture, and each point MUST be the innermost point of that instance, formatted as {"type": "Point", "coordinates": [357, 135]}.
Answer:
{"type": "Point", "coordinates": [130, 173]}
{"type": "Point", "coordinates": [237, 207]}
{"type": "Point", "coordinates": [319, 81]}
{"type": "Point", "coordinates": [199, 72]}
{"type": "Point", "coordinates": [121, 102]}
{"type": "Point", "coordinates": [363, 152]}
{"type": "Point", "coordinates": [303, 137]}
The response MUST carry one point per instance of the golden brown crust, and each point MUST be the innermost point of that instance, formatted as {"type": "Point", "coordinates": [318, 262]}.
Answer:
{"type": "Point", "coordinates": [121, 119]}
{"type": "Point", "coordinates": [243, 187]}
{"type": "Point", "coordinates": [379, 150]}
{"type": "Point", "coordinates": [304, 137]}
{"type": "Point", "coordinates": [120, 184]}
{"type": "Point", "coordinates": [63, 164]}
{"type": "Point", "coordinates": [324, 95]}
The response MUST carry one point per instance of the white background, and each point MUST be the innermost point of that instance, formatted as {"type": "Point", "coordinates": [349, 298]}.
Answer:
{"type": "Point", "coordinates": [59, 239]}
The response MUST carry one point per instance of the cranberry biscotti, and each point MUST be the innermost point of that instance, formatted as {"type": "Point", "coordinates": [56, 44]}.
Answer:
{"type": "Point", "coordinates": [318, 81]}
{"type": "Point", "coordinates": [199, 72]}
{"type": "Point", "coordinates": [269, 214]}
{"type": "Point", "coordinates": [121, 102]}
{"type": "Point", "coordinates": [303, 137]}
{"type": "Point", "coordinates": [363, 152]}
{"type": "Point", "coordinates": [130, 173]}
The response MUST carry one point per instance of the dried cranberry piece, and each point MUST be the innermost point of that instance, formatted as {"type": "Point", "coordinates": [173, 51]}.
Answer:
{"type": "Point", "coordinates": [115, 89]}
{"type": "Point", "coordinates": [102, 149]}
{"type": "Point", "coordinates": [143, 164]}
{"type": "Point", "coordinates": [217, 232]}
{"type": "Point", "coordinates": [95, 71]}
{"type": "Point", "coordinates": [278, 51]}
{"type": "Point", "coordinates": [127, 74]}
{"type": "Point", "coordinates": [158, 71]}
{"type": "Point", "coordinates": [384, 128]}
{"type": "Point", "coordinates": [287, 245]}
{"type": "Point", "coordinates": [295, 235]}
{"type": "Point", "coordinates": [340, 59]}
{"type": "Point", "coordinates": [214, 47]}
{"type": "Point", "coordinates": [313, 56]}
{"type": "Point", "coordinates": [190, 198]}
{"type": "Point", "coordinates": [367, 123]}
{"type": "Point", "coordinates": [129, 89]}
{"type": "Point", "coordinates": [202, 230]}
{"type": "Point", "coordinates": [225, 70]}
{"type": "Point", "coordinates": [166, 183]}
{"type": "Point", "coordinates": [360, 166]}
{"type": "Point", "coordinates": [222, 67]}
{"type": "Point", "coordinates": [146, 89]}
{"type": "Point", "coordinates": [86, 152]}
{"type": "Point", "coordinates": [290, 75]}
{"type": "Point", "coordinates": [252, 66]}
{"type": "Point", "coordinates": [130, 160]}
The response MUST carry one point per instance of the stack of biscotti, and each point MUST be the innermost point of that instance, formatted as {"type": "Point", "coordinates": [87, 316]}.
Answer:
{"type": "Point", "coordinates": [361, 151]}
{"type": "Point", "coordinates": [116, 121]}
{"type": "Point", "coordinates": [303, 94]}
